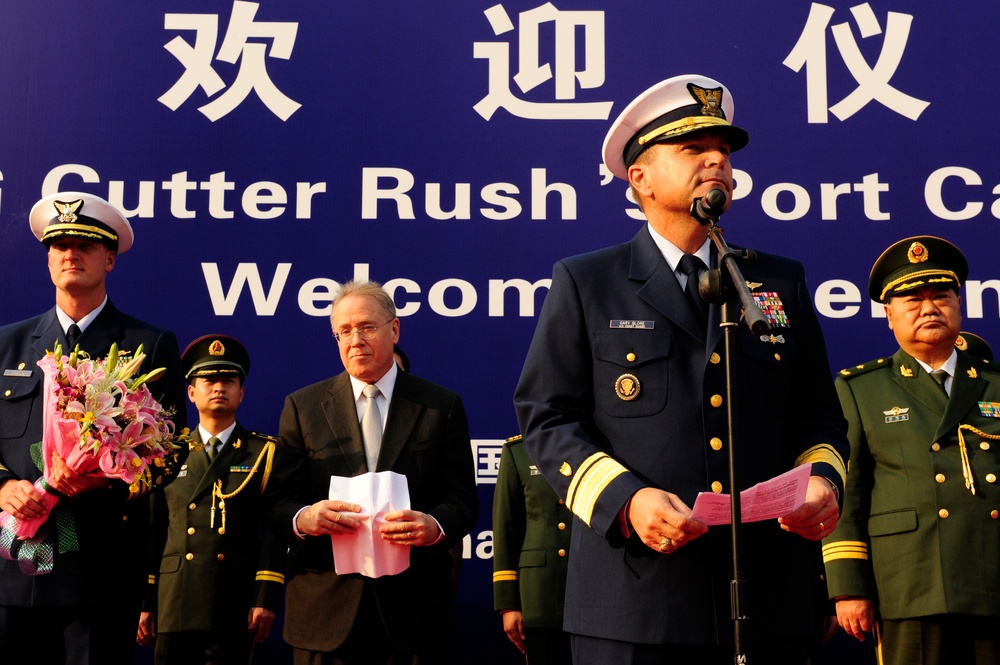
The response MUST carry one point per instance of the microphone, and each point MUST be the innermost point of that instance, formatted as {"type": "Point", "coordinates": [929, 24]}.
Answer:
{"type": "Point", "coordinates": [709, 208]}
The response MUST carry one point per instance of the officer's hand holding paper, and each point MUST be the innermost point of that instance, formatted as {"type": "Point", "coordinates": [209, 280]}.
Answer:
{"type": "Point", "coordinates": [767, 500]}
{"type": "Point", "coordinates": [363, 551]}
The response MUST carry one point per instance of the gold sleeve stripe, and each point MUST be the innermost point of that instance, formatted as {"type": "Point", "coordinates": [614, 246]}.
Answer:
{"type": "Point", "coordinates": [505, 576]}
{"type": "Point", "coordinates": [824, 452]}
{"type": "Point", "coordinates": [270, 576]}
{"type": "Point", "coordinates": [592, 478]}
{"type": "Point", "coordinates": [845, 549]}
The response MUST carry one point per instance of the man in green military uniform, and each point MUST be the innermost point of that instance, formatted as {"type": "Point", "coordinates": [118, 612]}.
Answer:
{"type": "Point", "coordinates": [916, 553]}
{"type": "Point", "coordinates": [221, 574]}
{"type": "Point", "coordinates": [531, 534]}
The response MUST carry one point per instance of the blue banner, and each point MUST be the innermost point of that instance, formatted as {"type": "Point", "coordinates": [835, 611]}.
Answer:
{"type": "Point", "coordinates": [265, 151]}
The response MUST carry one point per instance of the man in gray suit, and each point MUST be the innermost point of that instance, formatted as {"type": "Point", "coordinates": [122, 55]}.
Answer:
{"type": "Point", "coordinates": [411, 426]}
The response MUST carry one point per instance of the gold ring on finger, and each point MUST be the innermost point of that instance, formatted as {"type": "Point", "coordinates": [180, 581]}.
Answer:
{"type": "Point", "coordinates": [665, 544]}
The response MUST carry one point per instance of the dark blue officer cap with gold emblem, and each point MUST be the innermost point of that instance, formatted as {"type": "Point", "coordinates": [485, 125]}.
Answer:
{"type": "Point", "coordinates": [212, 355]}
{"type": "Point", "coordinates": [671, 108]}
{"type": "Point", "coordinates": [914, 262]}
{"type": "Point", "coordinates": [975, 345]}
{"type": "Point", "coordinates": [80, 215]}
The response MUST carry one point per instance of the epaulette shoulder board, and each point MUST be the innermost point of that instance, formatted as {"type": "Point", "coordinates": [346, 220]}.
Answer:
{"type": "Point", "coordinates": [517, 438]}
{"type": "Point", "coordinates": [986, 365]}
{"type": "Point", "coordinates": [858, 370]}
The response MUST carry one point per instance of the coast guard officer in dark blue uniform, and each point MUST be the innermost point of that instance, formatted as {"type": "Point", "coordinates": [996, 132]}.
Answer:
{"type": "Point", "coordinates": [621, 405]}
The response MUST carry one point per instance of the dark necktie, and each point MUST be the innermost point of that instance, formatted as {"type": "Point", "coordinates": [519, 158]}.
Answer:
{"type": "Point", "coordinates": [212, 448]}
{"type": "Point", "coordinates": [692, 266]}
{"type": "Point", "coordinates": [72, 336]}
{"type": "Point", "coordinates": [940, 376]}
{"type": "Point", "coordinates": [371, 426]}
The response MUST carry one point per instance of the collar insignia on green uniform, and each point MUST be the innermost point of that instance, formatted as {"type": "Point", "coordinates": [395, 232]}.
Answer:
{"type": "Point", "coordinates": [237, 445]}
{"type": "Point", "coordinates": [973, 374]}
{"type": "Point", "coordinates": [989, 409]}
{"type": "Point", "coordinates": [773, 339]}
{"type": "Point", "coordinates": [906, 371]}
{"type": "Point", "coordinates": [772, 307]}
{"type": "Point", "coordinates": [897, 414]}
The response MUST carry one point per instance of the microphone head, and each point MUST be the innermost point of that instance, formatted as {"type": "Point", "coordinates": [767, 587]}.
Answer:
{"type": "Point", "coordinates": [715, 200]}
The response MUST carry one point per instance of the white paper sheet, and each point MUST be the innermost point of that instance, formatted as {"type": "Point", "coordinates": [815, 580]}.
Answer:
{"type": "Point", "coordinates": [364, 551]}
{"type": "Point", "coordinates": [767, 500]}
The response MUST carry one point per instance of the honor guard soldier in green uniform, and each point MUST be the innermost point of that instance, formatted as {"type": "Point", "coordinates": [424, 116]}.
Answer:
{"type": "Point", "coordinates": [221, 574]}
{"type": "Point", "coordinates": [915, 556]}
{"type": "Point", "coordinates": [531, 534]}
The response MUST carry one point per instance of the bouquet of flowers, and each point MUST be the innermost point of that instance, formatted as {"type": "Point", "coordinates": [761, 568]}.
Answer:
{"type": "Point", "coordinates": [102, 420]}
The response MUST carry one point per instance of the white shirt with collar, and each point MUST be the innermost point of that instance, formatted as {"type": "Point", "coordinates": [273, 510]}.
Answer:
{"type": "Point", "coordinates": [948, 366]}
{"type": "Point", "coordinates": [672, 254]}
{"type": "Point", "coordinates": [222, 436]}
{"type": "Point", "coordinates": [385, 387]}
{"type": "Point", "coordinates": [65, 321]}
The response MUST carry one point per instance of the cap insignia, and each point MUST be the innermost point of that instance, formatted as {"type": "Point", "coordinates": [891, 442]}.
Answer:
{"type": "Point", "coordinates": [627, 387]}
{"type": "Point", "coordinates": [67, 211]}
{"type": "Point", "coordinates": [917, 253]}
{"type": "Point", "coordinates": [216, 349]}
{"type": "Point", "coordinates": [961, 344]}
{"type": "Point", "coordinates": [710, 98]}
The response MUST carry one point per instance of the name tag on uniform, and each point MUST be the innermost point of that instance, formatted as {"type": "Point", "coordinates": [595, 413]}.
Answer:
{"type": "Point", "coordinates": [183, 472]}
{"type": "Point", "coordinates": [632, 324]}
{"type": "Point", "coordinates": [23, 373]}
{"type": "Point", "coordinates": [533, 470]}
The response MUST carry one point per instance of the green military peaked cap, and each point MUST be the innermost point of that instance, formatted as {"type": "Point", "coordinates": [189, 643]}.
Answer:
{"type": "Point", "coordinates": [914, 262]}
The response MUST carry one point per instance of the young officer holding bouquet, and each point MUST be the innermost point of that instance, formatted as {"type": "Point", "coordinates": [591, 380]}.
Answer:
{"type": "Point", "coordinates": [72, 593]}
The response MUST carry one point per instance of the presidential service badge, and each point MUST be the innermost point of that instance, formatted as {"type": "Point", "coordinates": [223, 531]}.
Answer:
{"type": "Point", "coordinates": [627, 387]}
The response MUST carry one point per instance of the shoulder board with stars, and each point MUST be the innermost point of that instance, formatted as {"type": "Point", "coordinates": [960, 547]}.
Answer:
{"type": "Point", "coordinates": [858, 370]}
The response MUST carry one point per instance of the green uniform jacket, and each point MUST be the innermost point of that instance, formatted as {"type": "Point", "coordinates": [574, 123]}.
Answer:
{"type": "Point", "coordinates": [531, 534]}
{"type": "Point", "coordinates": [912, 535]}
{"type": "Point", "coordinates": [208, 577]}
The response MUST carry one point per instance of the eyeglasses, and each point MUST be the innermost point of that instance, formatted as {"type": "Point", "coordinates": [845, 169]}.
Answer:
{"type": "Point", "coordinates": [367, 331]}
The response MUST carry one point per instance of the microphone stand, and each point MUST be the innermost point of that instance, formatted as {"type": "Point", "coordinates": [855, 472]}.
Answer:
{"type": "Point", "coordinates": [714, 287]}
